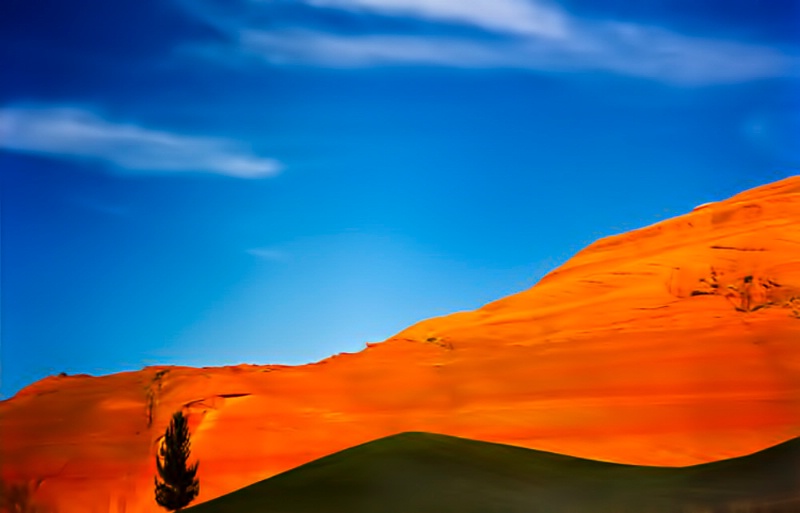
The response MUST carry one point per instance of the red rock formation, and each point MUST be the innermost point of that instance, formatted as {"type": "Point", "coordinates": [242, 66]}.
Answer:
{"type": "Point", "coordinates": [675, 344]}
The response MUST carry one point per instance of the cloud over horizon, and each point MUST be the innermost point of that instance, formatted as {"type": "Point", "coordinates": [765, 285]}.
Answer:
{"type": "Point", "coordinates": [520, 34]}
{"type": "Point", "coordinates": [74, 133]}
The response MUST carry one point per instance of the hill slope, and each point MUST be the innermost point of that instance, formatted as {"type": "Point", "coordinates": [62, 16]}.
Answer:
{"type": "Point", "coordinates": [427, 473]}
{"type": "Point", "coordinates": [671, 345]}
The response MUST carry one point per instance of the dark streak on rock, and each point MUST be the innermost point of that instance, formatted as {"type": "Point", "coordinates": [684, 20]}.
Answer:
{"type": "Point", "coordinates": [733, 248]}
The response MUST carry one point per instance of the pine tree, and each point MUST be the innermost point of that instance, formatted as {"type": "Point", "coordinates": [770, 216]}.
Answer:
{"type": "Point", "coordinates": [178, 485]}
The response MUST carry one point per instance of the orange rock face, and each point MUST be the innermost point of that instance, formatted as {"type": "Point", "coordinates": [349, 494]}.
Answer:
{"type": "Point", "coordinates": [675, 344]}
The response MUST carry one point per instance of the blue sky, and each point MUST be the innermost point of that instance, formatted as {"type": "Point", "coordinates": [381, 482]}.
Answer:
{"type": "Point", "coordinates": [209, 182]}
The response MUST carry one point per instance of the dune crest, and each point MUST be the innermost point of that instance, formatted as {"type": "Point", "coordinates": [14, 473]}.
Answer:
{"type": "Point", "coordinates": [675, 344]}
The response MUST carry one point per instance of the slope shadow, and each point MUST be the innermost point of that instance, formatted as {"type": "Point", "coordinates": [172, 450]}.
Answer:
{"type": "Point", "coordinates": [430, 473]}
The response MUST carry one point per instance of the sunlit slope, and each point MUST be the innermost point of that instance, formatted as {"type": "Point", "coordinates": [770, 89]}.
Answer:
{"type": "Point", "coordinates": [672, 345]}
{"type": "Point", "coordinates": [426, 473]}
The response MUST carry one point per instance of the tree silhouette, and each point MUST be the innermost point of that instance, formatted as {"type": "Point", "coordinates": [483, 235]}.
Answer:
{"type": "Point", "coordinates": [178, 485]}
{"type": "Point", "coordinates": [16, 498]}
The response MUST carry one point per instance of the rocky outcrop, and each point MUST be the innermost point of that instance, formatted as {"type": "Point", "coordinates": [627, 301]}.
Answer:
{"type": "Point", "coordinates": [675, 344]}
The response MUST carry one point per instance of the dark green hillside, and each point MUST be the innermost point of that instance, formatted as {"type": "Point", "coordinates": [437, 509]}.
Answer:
{"type": "Point", "coordinates": [428, 473]}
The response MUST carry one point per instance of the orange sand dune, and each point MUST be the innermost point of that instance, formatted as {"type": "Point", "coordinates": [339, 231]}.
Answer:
{"type": "Point", "coordinates": [675, 344]}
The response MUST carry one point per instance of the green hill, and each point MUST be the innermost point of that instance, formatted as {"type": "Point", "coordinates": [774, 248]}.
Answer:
{"type": "Point", "coordinates": [429, 473]}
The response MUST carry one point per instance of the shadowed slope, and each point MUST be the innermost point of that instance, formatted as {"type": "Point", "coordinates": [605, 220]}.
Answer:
{"type": "Point", "coordinates": [427, 473]}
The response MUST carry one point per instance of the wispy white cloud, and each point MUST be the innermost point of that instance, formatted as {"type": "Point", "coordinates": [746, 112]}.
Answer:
{"type": "Point", "coordinates": [513, 16]}
{"type": "Point", "coordinates": [660, 54]}
{"type": "Point", "coordinates": [524, 34]}
{"type": "Point", "coordinates": [350, 51]}
{"type": "Point", "coordinates": [81, 134]}
{"type": "Point", "coordinates": [623, 49]}
{"type": "Point", "coordinates": [270, 254]}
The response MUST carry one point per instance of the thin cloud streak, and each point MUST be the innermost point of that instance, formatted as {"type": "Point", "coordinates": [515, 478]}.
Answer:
{"type": "Point", "coordinates": [315, 48]}
{"type": "Point", "coordinates": [660, 54]}
{"type": "Point", "coordinates": [508, 16]}
{"type": "Point", "coordinates": [269, 254]}
{"type": "Point", "coordinates": [526, 34]}
{"type": "Point", "coordinates": [631, 50]}
{"type": "Point", "coordinates": [73, 133]}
